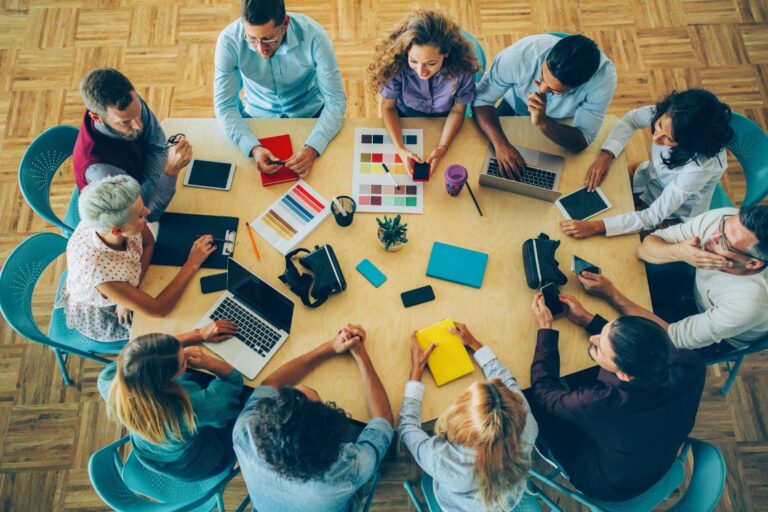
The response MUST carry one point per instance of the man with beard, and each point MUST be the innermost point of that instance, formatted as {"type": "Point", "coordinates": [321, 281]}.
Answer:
{"type": "Point", "coordinates": [120, 135]}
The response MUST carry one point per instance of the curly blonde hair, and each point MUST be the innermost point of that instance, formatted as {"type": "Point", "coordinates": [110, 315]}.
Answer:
{"type": "Point", "coordinates": [422, 27]}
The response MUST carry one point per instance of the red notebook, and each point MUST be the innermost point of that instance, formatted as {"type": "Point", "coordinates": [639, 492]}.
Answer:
{"type": "Point", "coordinates": [280, 146]}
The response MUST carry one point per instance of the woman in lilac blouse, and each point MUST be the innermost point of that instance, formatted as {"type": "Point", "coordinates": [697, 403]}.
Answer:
{"type": "Point", "coordinates": [424, 68]}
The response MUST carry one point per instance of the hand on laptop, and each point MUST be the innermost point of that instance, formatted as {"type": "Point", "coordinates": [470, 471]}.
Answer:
{"type": "Point", "coordinates": [260, 156]}
{"type": "Point", "coordinates": [217, 331]}
{"type": "Point", "coordinates": [511, 162]}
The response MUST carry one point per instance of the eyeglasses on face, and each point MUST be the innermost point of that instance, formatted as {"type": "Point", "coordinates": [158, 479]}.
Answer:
{"type": "Point", "coordinates": [726, 245]}
{"type": "Point", "coordinates": [264, 41]}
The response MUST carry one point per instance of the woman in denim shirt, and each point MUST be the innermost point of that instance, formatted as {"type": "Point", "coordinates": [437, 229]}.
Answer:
{"type": "Point", "coordinates": [176, 427]}
{"type": "Point", "coordinates": [480, 453]}
{"type": "Point", "coordinates": [424, 68]}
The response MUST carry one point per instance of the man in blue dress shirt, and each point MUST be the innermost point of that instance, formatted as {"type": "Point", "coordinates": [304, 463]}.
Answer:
{"type": "Point", "coordinates": [287, 66]}
{"type": "Point", "coordinates": [548, 77]}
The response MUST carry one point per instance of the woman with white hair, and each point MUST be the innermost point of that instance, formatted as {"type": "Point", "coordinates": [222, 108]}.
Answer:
{"type": "Point", "coordinates": [108, 255]}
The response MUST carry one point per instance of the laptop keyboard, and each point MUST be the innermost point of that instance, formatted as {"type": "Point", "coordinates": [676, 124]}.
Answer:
{"type": "Point", "coordinates": [250, 329]}
{"type": "Point", "coordinates": [531, 175]}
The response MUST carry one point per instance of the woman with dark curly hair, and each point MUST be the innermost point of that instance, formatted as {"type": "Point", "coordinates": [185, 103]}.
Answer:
{"type": "Point", "coordinates": [296, 452]}
{"type": "Point", "coordinates": [689, 130]}
{"type": "Point", "coordinates": [424, 68]}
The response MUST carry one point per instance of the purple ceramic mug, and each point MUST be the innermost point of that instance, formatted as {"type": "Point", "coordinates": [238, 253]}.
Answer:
{"type": "Point", "coordinates": [455, 178]}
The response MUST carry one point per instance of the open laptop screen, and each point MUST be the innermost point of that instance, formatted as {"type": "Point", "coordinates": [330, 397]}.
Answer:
{"type": "Point", "coordinates": [262, 298]}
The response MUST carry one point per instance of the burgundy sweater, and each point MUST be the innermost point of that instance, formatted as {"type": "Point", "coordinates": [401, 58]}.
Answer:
{"type": "Point", "coordinates": [623, 436]}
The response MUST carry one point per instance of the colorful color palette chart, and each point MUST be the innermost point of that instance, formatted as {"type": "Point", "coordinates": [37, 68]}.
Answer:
{"type": "Point", "coordinates": [372, 188]}
{"type": "Point", "coordinates": [292, 217]}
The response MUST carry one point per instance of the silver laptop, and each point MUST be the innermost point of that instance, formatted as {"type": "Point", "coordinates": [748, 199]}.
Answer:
{"type": "Point", "coordinates": [263, 317]}
{"type": "Point", "coordinates": [540, 180]}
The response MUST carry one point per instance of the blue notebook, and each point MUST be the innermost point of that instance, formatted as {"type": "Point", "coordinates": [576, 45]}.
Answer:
{"type": "Point", "coordinates": [452, 263]}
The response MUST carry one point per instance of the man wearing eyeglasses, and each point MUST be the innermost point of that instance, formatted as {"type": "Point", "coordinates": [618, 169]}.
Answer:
{"type": "Point", "coordinates": [287, 67]}
{"type": "Point", "coordinates": [707, 279]}
{"type": "Point", "coordinates": [549, 77]}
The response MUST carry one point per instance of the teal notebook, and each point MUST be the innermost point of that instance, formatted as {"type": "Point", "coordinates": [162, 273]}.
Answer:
{"type": "Point", "coordinates": [457, 264]}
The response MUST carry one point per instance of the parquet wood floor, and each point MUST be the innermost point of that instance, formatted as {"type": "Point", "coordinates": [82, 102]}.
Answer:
{"type": "Point", "coordinates": [47, 430]}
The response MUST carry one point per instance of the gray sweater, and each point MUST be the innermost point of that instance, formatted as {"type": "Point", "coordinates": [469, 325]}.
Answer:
{"type": "Point", "coordinates": [451, 466]}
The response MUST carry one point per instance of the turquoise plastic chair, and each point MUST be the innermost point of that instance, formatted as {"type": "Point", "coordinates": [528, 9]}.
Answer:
{"type": "Point", "coordinates": [702, 494]}
{"type": "Point", "coordinates": [39, 164]}
{"type": "Point", "coordinates": [734, 359]}
{"type": "Point", "coordinates": [527, 504]}
{"type": "Point", "coordinates": [126, 486]}
{"type": "Point", "coordinates": [481, 60]}
{"type": "Point", "coordinates": [18, 278]}
{"type": "Point", "coordinates": [750, 147]}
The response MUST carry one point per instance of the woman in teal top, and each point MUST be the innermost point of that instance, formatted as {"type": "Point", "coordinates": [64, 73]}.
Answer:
{"type": "Point", "coordinates": [176, 427]}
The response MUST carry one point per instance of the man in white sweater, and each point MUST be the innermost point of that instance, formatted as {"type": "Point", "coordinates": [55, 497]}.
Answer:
{"type": "Point", "coordinates": [729, 288]}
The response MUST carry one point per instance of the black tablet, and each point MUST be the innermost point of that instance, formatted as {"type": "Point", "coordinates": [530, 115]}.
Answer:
{"type": "Point", "coordinates": [208, 174]}
{"type": "Point", "coordinates": [583, 204]}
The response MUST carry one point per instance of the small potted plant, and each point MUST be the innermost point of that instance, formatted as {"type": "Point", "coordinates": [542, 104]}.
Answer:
{"type": "Point", "coordinates": [391, 233]}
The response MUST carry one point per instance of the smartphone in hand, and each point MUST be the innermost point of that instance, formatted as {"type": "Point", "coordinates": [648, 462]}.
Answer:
{"type": "Point", "coordinates": [552, 299]}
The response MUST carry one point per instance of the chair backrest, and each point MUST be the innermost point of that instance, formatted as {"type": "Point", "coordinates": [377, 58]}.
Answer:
{"type": "Point", "coordinates": [108, 477]}
{"type": "Point", "coordinates": [750, 147]}
{"type": "Point", "coordinates": [18, 277]}
{"type": "Point", "coordinates": [707, 480]}
{"type": "Point", "coordinates": [39, 164]}
{"type": "Point", "coordinates": [479, 53]}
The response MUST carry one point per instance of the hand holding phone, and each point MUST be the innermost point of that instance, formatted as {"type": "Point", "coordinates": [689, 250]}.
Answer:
{"type": "Point", "coordinates": [552, 299]}
{"type": "Point", "coordinates": [420, 171]}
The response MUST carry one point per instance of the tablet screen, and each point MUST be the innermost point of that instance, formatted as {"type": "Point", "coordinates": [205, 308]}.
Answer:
{"type": "Point", "coordinates": [583, 204]}
{"type": "Point", "coordinates": [205, 173]}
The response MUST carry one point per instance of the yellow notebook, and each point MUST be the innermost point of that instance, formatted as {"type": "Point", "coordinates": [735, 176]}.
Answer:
{"type": "Point", "coordinates": [449, 360]}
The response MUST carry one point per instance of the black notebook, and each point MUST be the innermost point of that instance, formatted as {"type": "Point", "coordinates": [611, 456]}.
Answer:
{"type": "Point", "coordinates": [178, 231]}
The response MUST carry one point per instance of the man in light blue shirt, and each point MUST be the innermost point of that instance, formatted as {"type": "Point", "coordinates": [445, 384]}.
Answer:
{"type": "Point", "coordinates": [287, 67]}
{"type": "Point", "coordinates": [548, 77]}
{"type": "Point", "coordinates": [296, 452]}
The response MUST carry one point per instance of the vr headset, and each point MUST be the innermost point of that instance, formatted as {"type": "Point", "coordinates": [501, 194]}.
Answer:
{"type": "Point", "coordinates": [324, 279]}
{"type": "Point", "coordinates": [540, 264]}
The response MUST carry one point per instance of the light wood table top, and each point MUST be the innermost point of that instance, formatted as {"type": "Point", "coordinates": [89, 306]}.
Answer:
{"type": "Point", "coordinates": [498, 314]}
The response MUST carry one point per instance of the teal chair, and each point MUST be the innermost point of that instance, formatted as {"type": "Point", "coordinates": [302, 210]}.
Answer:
{"type": "Point", "coordinates": [750, 147]}
{"type": "Point", "coordinates": [481, 60]}
{"type": "Point", "coordinates": [38, 166]}
{"type": "Point", "coordinates": [734, 359]}
{"type": "Point", "coordinates": [18, 278]}
{"type": "Point", "coordinates": [702, 495]}
{"type": "Point", "coordinates": [527, 504]}
{"type": "Point", "coordinates": [125, 487]}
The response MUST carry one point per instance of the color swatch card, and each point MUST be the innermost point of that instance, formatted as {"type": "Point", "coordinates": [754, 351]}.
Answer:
{"type": "Point", "coordinates": [292, 217]}
{"type": "Point", "coordinates": [372, 189]}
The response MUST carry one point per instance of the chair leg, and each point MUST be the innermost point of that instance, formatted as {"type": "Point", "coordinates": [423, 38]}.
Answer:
{"type": "Point", "coordinates": [543, 497]}
{"type": "Point", "coordinates": [732, 376]}
{"type": "Point", "coordinates": [220, 501]}
{"type": "Point", "coordinates": [62, 366]}
{"type": "Point", "coordinates": [412, 494]}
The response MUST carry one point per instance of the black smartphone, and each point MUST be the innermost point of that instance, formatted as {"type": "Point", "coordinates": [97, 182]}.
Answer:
{"type": "Point", "coordinates": [420, 171]}
{"type": "Point", "coordinates": [417, 296]}
{"type": "Point", "coordinates": [552, 299]}
{"type": "Point", "coordinates": [214, 283]}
